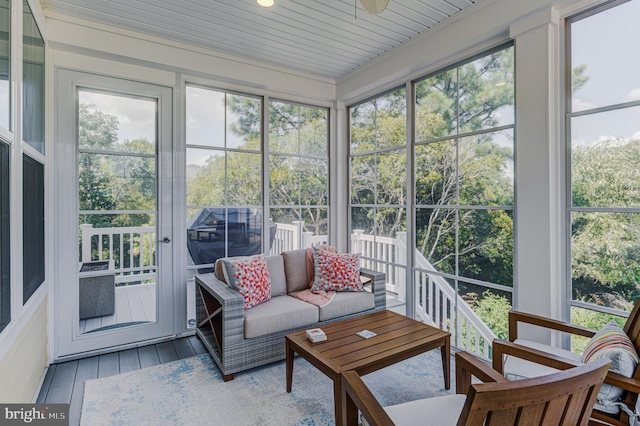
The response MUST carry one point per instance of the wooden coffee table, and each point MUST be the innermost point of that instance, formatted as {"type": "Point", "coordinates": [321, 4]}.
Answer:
{"type": "Point", "coordinates": [398, 338]}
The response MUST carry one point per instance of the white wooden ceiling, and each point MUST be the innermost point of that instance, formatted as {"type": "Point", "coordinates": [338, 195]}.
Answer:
{"type": "Point", "coordinates": [320, 37]}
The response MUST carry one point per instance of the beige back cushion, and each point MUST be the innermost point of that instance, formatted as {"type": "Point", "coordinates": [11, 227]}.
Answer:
{"type": "Point", "coordinates": [295, 268]}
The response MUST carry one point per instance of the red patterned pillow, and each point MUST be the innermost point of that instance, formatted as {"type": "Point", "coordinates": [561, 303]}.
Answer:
{"type": "Point", "coordinates": [336, 271]}
{"type": "Point", "coordinates": [250, 276]}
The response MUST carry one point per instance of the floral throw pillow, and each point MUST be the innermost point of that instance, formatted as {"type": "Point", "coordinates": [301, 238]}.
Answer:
{"type": "Point", "coordinates": [250, 276]}
{"type": "Point", "coordinates": [336, 271]}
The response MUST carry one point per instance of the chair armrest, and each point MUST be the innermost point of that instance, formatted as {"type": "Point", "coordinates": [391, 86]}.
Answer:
{"type": "Point", "coordinates": [468, 365]}
{"type": "Point", "coordinates": [502, 347]}
{"type": "Point", "coordinates": [627, 383]}
{"type": "Point", "coordinates": [378, 286]}
{"type": "Point", "coordinates": [516, 316]}
{"type": "Point", "coordinates": [356, 396]}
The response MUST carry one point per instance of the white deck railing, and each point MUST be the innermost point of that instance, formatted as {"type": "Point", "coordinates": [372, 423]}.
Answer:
{"type": "Point", "coordinates": [131, 251]}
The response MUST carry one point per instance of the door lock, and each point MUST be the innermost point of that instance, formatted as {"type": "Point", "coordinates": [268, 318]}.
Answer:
{"type": "Point", "coordinates": [165, 240]}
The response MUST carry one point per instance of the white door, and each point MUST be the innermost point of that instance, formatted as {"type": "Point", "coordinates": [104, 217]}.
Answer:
{"type": "Point", "coordinates": [113, 213]}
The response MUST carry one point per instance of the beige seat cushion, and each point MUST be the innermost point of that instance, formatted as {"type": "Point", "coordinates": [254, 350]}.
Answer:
{"type": "Point", "coordinates": [347, 302]}
{"type": "Point", "coordinates": [517, 368]}
{"type": "Point", "coordinates": [438, 411]}
{"type": "Point", "coordinates": [278, 314]}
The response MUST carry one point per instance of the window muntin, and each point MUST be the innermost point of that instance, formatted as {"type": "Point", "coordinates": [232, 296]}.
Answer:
{"type": "Point", "coordinates": [603, 116]}
{"type": "Point", "coordinates": [298, 174]}
{"type": "Point", "coordinates": [464, 190]}
{"type": "Point", "coordinates": [32, 226]}
{"type": "Point", "coordinates": [5, 64]}
{"type": "Point", "coordinates": [5, 237]}
{"type": "Point", "coordinates": [33, 73]}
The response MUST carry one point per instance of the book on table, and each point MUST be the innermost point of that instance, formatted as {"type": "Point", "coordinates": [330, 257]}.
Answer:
{"type": "Point", "coordinates": [316, 335]}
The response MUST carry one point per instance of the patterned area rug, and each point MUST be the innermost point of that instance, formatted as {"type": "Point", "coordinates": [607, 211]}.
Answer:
{"type": "Point", "coordinates": [191, 392]}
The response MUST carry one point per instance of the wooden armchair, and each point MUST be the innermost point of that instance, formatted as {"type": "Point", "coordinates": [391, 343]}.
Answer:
{"type": "Point", "coordinates": [559, 359]}
{"type": "Point", "coordinates": [563, 398]}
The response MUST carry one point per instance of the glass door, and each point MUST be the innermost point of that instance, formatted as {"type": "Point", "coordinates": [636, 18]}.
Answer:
{"type": "Point", "coordinates": [116, 255]}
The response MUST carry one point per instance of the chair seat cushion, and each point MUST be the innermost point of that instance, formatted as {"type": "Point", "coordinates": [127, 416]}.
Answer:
{"type": "Point", "coordinates": [346, 303]}
{"type": "Point", "coordinates": [517, 368]}
{"type": "Point", "coordinates": [438, 411]}
{"type": "Point", "coordinates": [278, 314]}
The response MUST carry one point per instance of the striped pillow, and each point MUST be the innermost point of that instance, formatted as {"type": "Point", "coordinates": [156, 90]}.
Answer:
{"type": "Point", "coordinates": [611, 342]}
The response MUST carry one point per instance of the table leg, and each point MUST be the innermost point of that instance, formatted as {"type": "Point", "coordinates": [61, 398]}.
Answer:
{"type": "Point", "coordinates": [289, 357]}
{"type": "Point", "coordinates": [445, 351]}
{"type": "Point", "coordinates": [337, 399]}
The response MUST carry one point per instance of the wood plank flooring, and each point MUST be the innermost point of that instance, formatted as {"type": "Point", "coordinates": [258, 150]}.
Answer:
{"type": "Point", "coordinates": [64, 382]}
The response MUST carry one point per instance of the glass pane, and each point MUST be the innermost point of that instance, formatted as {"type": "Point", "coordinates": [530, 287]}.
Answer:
{"type": "Point", "coordinates": [362, 226]}
{"type": "Point", "coordinates": [314, 132]}
{"type": "Point", "coordinates": [491, 306]}
{"type": "Point", "coordinates": [244, 179]}
{"type": "Point", "coordinates": [436, 240]}
{"type": "Point", "coordinates": [605, 159]}
{"type": "Point", "coordinates": [284, 180]}
{"type": "Point", "coordinates": [5, 63]}
{"type": "Point", "coordinates": [244, 118]}
{"type": "Point", "coordinates": [116, 123]}
{"type": "Point", "coordinates": [32, 226]}
{"type": "Point", "coordinates": [487, 92]}
{"type": "Point", "coordinates": [216, 232]}
{"type": "Point", "coordinates": [391, 223]}
{"type": "Point", "coordinates": [392, 177]}
{"type": "Point", "coordinates": [436, 173]}
{"type": "Point", "coordinates": [116, 182]}
{"type": "Point", "coordinates": [436, 100]}
{"type": "Point", "coordinates": [591, 319]}
{"type": "Point", "coordinates": [284, 121]}
{"type": "Point", "coordinates": [485, 169]}
{"type": "Point", "coordinates": [316, 224]}
{"type": "Point", "coordinates": [117, 259]}
{"type": "Point", "coordinates": [391, 119]}
{"type": "Point", "coordinates": [485, 246]}
{"type": "Point", "coordinates": [286, 235]}
{"type": "Point", "coordinates": [604, 73]}
{"type": "Point", "coordinates": [363, 179]}
{"type": "Point", "coordinates": [5, 238]}
{"type": "Point", "coordinates": [605, 258]}
{"type": "Point", "coordinates": [314, 182]}
{"type": "Point", "coordinates": [206, 177]}
{"type": "Point", "coordinates": [205, 112]}
{"type": "Point", "coordinates": [33, 82]}
{"type": "Point", "coordinates": [363, 129]}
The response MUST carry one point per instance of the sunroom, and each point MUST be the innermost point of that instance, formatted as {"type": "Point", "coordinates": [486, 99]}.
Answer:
{"type": "Point", "coordinates": [482, 154]}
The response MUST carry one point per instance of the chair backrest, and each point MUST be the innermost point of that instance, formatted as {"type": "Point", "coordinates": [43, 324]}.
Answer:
{"type": "Point", "coordinates": [632, 326]}
{"type": "Point", "coordinates": [564, 398]}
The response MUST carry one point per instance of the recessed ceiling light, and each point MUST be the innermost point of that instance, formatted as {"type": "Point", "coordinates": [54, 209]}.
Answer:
{"type": "Point", "coordinates": [266, 3]}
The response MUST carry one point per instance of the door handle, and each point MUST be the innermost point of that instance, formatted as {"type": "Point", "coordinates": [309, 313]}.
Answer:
{"type": "Point", "coordinates": [165, 240]}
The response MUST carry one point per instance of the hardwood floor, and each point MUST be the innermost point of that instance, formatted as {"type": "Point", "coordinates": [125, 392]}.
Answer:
{"type": "Point", "coordinates": [64, 382]}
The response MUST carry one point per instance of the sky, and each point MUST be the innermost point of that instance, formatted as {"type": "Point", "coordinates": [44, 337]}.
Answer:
{"type": "Point", "coordinates": [609, 44]}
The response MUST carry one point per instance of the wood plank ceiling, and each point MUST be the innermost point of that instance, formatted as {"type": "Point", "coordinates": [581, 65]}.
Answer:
{"type": "Point", "coordinates": [319, 37]}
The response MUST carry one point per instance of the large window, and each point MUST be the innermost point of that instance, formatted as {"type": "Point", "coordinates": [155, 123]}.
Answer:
{"type": "Point", "coordinates": [5, 63]}
{"type": "Point", "coordinates": [33, 82]}
{"type": "Point", "coordinates": [379, 186]}
{"type": "Point", "coordinates": [464, 195]}
{"type": "Point", "coordinates": [298, 175]}
{"type": "Point", "coordinates": [33, 226]}
{"type": "Point", "coordinates": [5, 254]}
{"type": "Point", "coordinates": [603, 125]}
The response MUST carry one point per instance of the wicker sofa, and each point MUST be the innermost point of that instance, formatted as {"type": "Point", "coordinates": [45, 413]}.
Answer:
{"type": "Point", "coordinates": [239, 340]}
